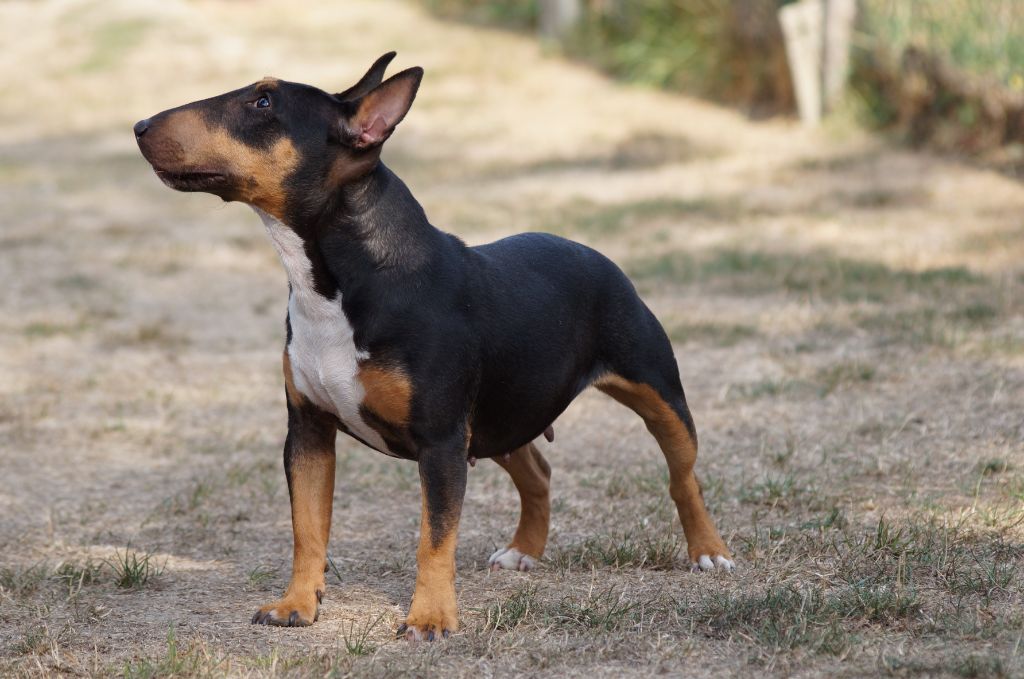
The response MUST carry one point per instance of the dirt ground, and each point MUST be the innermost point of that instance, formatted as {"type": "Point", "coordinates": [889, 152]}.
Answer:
{"type": "Point", "coordinates": [848, 318]}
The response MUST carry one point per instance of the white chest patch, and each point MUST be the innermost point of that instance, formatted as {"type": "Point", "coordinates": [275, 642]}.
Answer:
{"type": "Point", "coordinates": [323, 354]}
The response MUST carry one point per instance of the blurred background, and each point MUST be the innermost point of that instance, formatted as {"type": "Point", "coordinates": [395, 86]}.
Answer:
{"type": "Point", "coordinates": [845, 296]}
{"type": "Point", "coordinates": [947, 75]}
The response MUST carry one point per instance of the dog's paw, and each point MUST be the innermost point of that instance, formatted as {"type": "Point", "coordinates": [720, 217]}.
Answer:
{"type": "Point", "coordinates": [422, 632]}
{"type": "Point", "coordinates": [511, 559]}
{"type": "Point", "coordinates": [432, 627]}
{"type": "Point", "coordinates": [707, 562]}
{"type": "Point", "coordinates": [291, 611]}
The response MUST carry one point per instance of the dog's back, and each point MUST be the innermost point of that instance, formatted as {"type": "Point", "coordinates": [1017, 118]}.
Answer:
{"type": "Point", "coordinates": [546, 309]}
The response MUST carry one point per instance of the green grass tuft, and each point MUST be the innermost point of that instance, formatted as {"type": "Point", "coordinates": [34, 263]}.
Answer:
{"type": "Point", "coordinates": [19, 581]}
{"type": "Point", "coordinates": [132, 569]}
{"type": "Point", "coordinates": [261, 575]}
{"type": "Point", "coordinates": [515, 610]}
{"type": "Point", "coordinates": [357, 639]}
{"type": "Point", "coordinates": [194, 661]}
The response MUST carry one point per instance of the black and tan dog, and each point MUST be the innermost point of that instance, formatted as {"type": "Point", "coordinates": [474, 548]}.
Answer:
{"type": "Point", "coordinates": [416, 345]}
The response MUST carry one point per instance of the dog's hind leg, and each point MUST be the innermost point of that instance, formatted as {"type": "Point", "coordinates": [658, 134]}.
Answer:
{"type": "Point", "coordinates": [531, 475]}
{"type": "Point", "coordinates": [668, 419]}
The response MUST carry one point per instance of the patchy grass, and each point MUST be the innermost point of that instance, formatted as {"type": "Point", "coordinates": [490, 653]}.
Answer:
{"type": "Point", "coordinates": [158, 334]}
{"type": "Point", "coordinates": [260, 575]}
{"type": "Point", "coordinates": [606, 610]}
{"type": "Point", "coordinates": [847, 321]}
{"type": "Point", "coordinates": [112, 42]}
{"type": "Point", "coordinates": [609, 609]}
{"type": "Point", "coordinates": [195, 660]}
{"type": "Point", "coordinates": [19, 581]}
{"type": "Point", "coordinates": [641, 151]}
{"type": "Point", "coordinates": [47, 329]}
{"type": "Point", "coordinates": [508, 614]}
{"type": "Point", "coordinates": [709, 332]}
{"type": "Point", "coordinates": [635, 549]}
{"type": "Point", "coordinates": [922, 577]}
{"type": "Point", "coordinates": [971, 324]}
{"type": "Point", "coordinates": [844, 374]}
{"type": "Point", "coordinates": [356, 637]}
{"type": "Point", "coordinates": [66, 576]}
{"type": "Point", "coordinates": [774, 490]}
{"type": "Point", "coordinates": [994, 466]}
{"type": "Point", "coordinates": [816, 274]}
{"type": "Point", "coordinates": [770, 387]}
{"type": "Point", "coordinates": [600, 220]}
{"type": "Point", "coordinates": [628, 486]}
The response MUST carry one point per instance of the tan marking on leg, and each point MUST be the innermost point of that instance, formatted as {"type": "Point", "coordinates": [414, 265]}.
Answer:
{"type": "Point", "coordinates": [531, 475]}
{"type": "Point", "coordinates": [295, 397]}
{"type": "Point", "coordinates": [680, 450]}
{"type": "Point", "coordinates": [434, 609]}
{"type": "Point", "coordinates": [312, 494]}
{"type": "Point", "coordinates": [388, 392]}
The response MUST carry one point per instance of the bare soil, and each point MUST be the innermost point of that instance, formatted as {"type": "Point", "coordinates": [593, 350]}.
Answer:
{"type": "Point", "coordinates": [848, 319]}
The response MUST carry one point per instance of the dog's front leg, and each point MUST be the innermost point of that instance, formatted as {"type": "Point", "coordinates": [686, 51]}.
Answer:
{"type": "Point", "coordinates": [434, 613]}
{"type": "Point", "coordinates": [309, 467]}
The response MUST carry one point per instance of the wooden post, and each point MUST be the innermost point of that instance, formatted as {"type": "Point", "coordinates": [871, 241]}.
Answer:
{"type": "Point", "coordinates": [802, 28]}
{"type": "Point", "coordinates": [839, 19]}
{"type": "Point", "coordinates": [558, 17]}
{"type": "Point", "coordinates": [817, 34]}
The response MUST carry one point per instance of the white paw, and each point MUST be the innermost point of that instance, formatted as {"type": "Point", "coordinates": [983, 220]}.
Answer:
{"type": "Point", "coordinates": [511, 559]}
{"type": "Point", "coordinates": [706, 563]}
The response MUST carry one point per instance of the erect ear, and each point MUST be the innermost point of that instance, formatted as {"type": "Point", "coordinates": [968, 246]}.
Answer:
{"type": "Point", "coordinates": [372, 78]}
{"type": "Point", "coordinates": [376, 115]}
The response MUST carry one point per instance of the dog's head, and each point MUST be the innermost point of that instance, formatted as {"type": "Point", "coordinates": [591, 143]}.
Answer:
{"type": "Point", "coordinates": [272, 141]}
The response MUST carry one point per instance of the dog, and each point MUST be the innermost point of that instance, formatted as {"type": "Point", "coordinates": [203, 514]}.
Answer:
{"type": "Point", "coordinates": [414, 344]}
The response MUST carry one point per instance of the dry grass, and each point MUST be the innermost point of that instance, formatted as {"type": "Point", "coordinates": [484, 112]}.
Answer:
{"type": "Point", "coordinates": [848, 321]}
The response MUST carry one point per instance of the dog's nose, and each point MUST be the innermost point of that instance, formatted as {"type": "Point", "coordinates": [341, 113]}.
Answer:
{"type": "Point", "coordinates": [141, 127]}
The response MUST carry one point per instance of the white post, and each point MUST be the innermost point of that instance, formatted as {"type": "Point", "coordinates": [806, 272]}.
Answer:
{"type": "Point", "coordinates": [802, 29]}
{"type": "Point", "coordinates": [839, 19]}
{"type": "Point", "coordinates": [558, 17]}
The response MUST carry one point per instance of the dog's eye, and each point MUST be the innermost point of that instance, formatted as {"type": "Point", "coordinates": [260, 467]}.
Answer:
{"type": "Point", "coordinates": [262, 102]}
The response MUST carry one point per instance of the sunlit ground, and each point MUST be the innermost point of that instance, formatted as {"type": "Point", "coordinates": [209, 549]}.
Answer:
{"type": "Point", "coordinates": [848, 319]}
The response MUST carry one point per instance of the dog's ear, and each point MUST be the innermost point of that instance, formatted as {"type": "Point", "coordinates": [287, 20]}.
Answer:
{"type": "Point", "coordinates": [372, 119]}
{"type": "Point", "coordinates": [372, 79]}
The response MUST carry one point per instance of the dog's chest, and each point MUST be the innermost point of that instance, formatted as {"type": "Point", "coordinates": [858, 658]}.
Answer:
{"type": "Point", "coordinates": [323, 355]}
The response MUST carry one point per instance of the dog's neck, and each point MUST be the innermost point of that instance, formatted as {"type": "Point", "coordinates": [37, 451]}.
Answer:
{"type": "Point", "coordinates": [369, 226]}
{"type": "Point", "coordinates": [378, 212]}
